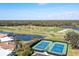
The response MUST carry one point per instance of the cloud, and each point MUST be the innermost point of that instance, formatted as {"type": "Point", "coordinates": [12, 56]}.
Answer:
{"type": "Point", "coordinates": [69, 15]}
{"type": "Point", "coordinates": [66, 15]}
{"type": "Point", "coordinates": [41, 4]}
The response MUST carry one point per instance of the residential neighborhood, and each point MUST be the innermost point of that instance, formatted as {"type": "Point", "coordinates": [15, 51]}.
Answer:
{"type": "Point", "coordinates": [7, 45]}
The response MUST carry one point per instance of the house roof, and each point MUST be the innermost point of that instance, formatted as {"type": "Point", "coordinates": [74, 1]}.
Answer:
{"type": "Point", "coordinates": [5, 39]}
{"type": "Point", "coordinates": [3, 35]}
{"type": "Point", "coordinates": [4, 52]}
{"type": "Point", "coordinates": [7, 45]}
{"type": "Point", "coordinates": [38, 54]}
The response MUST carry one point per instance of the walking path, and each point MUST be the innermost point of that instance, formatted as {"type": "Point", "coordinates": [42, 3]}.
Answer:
{"type": "Point", "coordinates": [63, 30]}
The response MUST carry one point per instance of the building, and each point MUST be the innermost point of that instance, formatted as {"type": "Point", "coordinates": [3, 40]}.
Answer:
{"type": "Point", "coordinates": [40, 54]}
{"type": "Point", "coordinates": [7, 45]}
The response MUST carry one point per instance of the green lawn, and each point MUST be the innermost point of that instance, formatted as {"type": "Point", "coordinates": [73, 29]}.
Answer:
{"type": "Point", "coordinates": [51, 33]}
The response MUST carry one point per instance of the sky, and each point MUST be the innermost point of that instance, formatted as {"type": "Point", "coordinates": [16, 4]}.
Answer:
{"type": "Point", "coordinates": [39, 11]}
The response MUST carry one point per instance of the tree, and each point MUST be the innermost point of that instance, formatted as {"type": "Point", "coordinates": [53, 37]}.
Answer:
{"type": "Point", "coordinates": [73, 38]}
{"type": "Point", "coordinates": [24, 50]}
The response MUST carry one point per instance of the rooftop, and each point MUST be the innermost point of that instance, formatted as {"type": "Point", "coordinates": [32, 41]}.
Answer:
{"type": "Point", "coordinates": [5, 38]}
{"type": "Point", "coordinates": [7, 45]}
{"type": "Point", "coordinates": [3, 35]}
{"type": "Point", "coordinates": [6, 48]}
{"type": "Point", "coordinates": [39, 54]}
{"type": "Point", "coordinates": [4, 52]}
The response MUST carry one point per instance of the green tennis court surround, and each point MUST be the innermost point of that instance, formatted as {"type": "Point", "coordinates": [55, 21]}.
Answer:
{"type": "Point", "coordinates": [42, 45]}
{"type": "Point", "coordinates": [58, 48]}
{"type": "Point", "coordinates": [51, 47]}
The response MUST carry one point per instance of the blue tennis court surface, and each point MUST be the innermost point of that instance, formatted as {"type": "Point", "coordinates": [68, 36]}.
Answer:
{"type": "Point", "coordinates": [58, 48]}
{"type": "Point", "coordinates": [41, 46]}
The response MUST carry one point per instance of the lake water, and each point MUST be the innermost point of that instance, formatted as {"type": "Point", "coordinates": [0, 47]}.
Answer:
{"type": "Point", "coordinates": [5, 33]}
{"type": "Point", "coordinates": [25, 37]}
{"type": "Point", "coordinates": [28, 37]}
{"type": "Point", "coordinates": [76, 29]}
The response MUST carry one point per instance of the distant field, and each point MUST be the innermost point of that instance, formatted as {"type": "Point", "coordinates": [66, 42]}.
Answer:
{"type": "Point", "coordinates": [30, 29]}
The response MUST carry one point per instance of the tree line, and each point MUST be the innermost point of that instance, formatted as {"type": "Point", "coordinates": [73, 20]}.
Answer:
{"type": "Point", "coordinates": [39, 22]}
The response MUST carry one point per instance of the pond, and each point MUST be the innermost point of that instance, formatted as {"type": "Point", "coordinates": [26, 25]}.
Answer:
{"type": "Point", "coordinates": [71, 27]}
{"type": "Point", "coordinates": [5, 33]}
{"type": "Point", "coordinates": [24, 37]}
{"type": "Point", "coordinates": [76, 29]}
{"type": "Point", "coordinates": [27, 37]}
